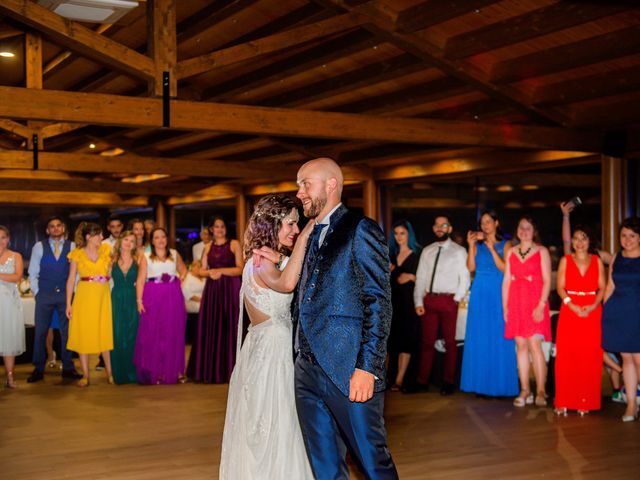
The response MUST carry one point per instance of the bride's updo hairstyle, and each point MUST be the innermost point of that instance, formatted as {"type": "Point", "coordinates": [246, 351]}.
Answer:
{"type": "Point", "coordinates": [265, 223]}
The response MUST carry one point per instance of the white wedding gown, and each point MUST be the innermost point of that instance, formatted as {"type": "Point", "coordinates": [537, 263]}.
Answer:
{"type": "Point", "coordinates": [262, 437]}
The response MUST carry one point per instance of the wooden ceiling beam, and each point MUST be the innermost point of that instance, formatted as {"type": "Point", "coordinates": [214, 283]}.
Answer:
{"type": "Point", "coordinates": [163, 49]}
{"type": "Point", "coordinates": [611, 82]}
{"type": "Point", "coordinates": [492, 163]}
{"type": "Point", "coordinates": [79, 38]}
{"type": "Point", "coordinates": [131, 164]}
{"type": "Point", "coordinates": [208, 194]}
{"type": "Point", "coordinates": [33, 60]}
{"type": "Point", "coordinates": [539, 22]}
{"type": "Point", "coordinates": [564, 57]}
{"type": "Point", "coordinates": [62, 198]}
{"type": "Point", "coordinates": [431, 12]}
{"type": "Point", "coordinates": [55, 129]}
{"type": "Point", "coordinates": [101, 109]}
{"type": "Point", "coordinates": [16, 128]}
{"type": "Point", "coordinates": [421, 46]}
{"type": "Point", "coordinates": [263, 46]}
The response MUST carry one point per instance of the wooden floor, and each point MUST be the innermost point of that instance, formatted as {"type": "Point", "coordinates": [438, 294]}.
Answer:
{"type": "Point", "coordinates": [56, 431]}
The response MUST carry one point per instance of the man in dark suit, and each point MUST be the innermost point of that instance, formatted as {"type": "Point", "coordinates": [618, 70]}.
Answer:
{"type": "Point", "coordinates": [342, 316]}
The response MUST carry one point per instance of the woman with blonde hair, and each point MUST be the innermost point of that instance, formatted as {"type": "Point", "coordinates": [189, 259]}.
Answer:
{"type": "Point", "coordinates": [12, 341]}
{"type": "Point", "coordinates": [125, 311]}
{"type": "Point", "coordinates": [89, 310]}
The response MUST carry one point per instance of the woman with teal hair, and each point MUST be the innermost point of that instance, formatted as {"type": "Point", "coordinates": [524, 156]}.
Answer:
{"type": "Point", "coordinates": [404, 253]}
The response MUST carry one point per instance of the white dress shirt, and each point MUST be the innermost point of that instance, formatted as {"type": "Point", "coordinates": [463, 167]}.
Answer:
{"type": "Point", "coordinates": [192, 286]}
{"type": "Point", "coordinates": [326, 221]}
{"type": "Point", "coordinates": [451, 276]}
{"type": "Point", "coordinates": [197, 250]}
{"type": "Point", "coordinates": [111, 240]}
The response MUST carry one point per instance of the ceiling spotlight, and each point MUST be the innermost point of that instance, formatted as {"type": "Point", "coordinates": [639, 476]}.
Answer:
{"type": "Point", "coordinates": [530, 187]}
{"type": "Point", "coordinates": [92, 146]}
{"type": "Point", "coordinates": [504, 188]}
{"type": "Point", "coordinates": [6, 54]}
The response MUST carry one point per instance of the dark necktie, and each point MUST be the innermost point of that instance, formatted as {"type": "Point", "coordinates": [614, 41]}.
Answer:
{"type": "Point", "coordinates": [433, 274]}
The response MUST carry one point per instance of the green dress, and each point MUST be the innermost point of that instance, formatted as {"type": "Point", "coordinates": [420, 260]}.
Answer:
{"type": "Point", "coordinates": [125, 324]}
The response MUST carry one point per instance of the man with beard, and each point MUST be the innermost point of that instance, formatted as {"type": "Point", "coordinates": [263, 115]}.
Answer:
{"type": "Point", "coordinates": [341, 315]}
{"type": "Point", "coordinates": [442, 281]}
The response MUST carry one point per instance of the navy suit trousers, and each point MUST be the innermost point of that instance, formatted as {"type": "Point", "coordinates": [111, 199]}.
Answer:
{"type": "Point", "coordinates": [46, 303]}
{"type": "Point", "coordinates": [331, 423]}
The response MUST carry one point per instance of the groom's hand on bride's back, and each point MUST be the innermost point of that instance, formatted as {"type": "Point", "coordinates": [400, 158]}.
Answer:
{"type": "Point", "coordinates": [266, 253]}
{"type": "Point", "coordinates": [361, 386]}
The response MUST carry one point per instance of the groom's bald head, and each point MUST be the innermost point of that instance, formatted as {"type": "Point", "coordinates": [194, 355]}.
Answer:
{"type": "Point", "coordinates": [320, 183]}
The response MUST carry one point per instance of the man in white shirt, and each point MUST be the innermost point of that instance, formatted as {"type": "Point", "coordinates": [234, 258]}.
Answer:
{"type": "Point", "coordinates": [198, 248]}
{"type": "Point", "coordinates": [115, 226]}
{"type": "Point", "coordinates": [442, 280]}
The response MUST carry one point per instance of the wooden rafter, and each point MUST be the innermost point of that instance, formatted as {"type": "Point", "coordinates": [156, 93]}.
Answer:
{"type": "Point", "coordinates": [124, 111]}
{"type": "Point", "coordinates": [273, 43]}
{"type": "Point", "coordinates": [163, 50]}
{"type": "Point", "coordinates": [16, 128]}
{"type": "Point", "coordinates": [79, 38]}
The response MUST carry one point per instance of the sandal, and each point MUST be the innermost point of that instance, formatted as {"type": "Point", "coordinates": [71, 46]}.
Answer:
{"type": "Point", "coordinates": [583, 413]}
{"type": "Point", "coordinates": [9, 383]}
{"type": "Point", "coordinates": [561, 412]}
{"type": "Point", "coordinates": [525, 398]}
{"type": "Point", "coordinates": [83, 382]}
{"type": "Point", "coordinates": [541, 399]}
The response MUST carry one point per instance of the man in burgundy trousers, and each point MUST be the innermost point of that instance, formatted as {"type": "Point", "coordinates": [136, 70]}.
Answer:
{"type": "Point", "coordinates": [442, 281]}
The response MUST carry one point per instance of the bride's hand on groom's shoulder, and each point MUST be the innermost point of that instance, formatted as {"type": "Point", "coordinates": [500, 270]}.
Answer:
{"type": "Point", "coordinates": [266, 253]}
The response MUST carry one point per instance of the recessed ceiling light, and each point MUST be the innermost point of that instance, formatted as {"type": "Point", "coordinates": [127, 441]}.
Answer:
{"type": "Point", "coordinates": [7, 54]}
{"type": "Point", "coordinates": [92, 146]}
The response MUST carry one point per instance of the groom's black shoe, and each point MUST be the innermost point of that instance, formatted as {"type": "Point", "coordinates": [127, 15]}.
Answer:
{"type": "Point", "coordinates": [71, 374]}
{"type": "Point", "coordinates": [35, 376]}
{"type": "Point", "coordinates": [447, 389]}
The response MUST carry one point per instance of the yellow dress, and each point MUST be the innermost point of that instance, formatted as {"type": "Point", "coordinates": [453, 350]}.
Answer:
{"type": "Point", "coordinates": [90, 326]}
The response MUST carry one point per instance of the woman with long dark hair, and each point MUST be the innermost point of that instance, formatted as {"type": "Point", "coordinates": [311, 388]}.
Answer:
{"type": "Point", "coordinates": [213, 352]}
{"type": "Point", "coordinates": [578, 367]}
{"type": "Point", "coordinates": [489, 361]}
{"type": "Point", "coordinates": [160, 347]}
{"type": "Point", "coordinates": [90, 322]}
{"type": "Point", "coordinates": [404, 253]}
{"type": "Point", "coordinates": [621, 317]}
{"type": "Point", "coordinates": [525, 302]}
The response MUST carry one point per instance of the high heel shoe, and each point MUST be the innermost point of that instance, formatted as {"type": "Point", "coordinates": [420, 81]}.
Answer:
{"type": "Point", "coordinates": [83, 382]}
{"type": "Point", "coordinates": [525, 398]}
{"type": "Point", "coordinates": [9, 383]}
{"type": "Point", "coordinates": [541, 400]}
{"type": "Point", "coordinates": [561, 412]}
{"type": "Point", "coordinates": [52, 362]}
{"type": "Point", "coordinates": [631, 418]}
{"type": "Point", "coordinates": [110, 380]}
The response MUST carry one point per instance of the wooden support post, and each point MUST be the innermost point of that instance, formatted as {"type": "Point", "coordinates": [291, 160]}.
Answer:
{"type": "Point", "coordinates": [371, 195]}
{"type": "Point", "coordinates": [161, 214]}
{"type": "Point", "coordinates": [241, 216]}
{"type": "Point", "coordinates": [172, 227]}
{"type": "Point", "coordinates": [33, 73]}
{"type": "Point", "coordinates": [612, 201]}
{"type": "Point", "coordinates": [161, 15]}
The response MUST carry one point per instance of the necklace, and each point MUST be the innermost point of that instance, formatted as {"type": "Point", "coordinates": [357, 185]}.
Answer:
{"type": "Point", "coordinates": [525, 253]}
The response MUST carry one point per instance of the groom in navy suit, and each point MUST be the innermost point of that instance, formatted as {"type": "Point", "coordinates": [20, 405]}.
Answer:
{"type": "Point", "coordinates": [342, 316]}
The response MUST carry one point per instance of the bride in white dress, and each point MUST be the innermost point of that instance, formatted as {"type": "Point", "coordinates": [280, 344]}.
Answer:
{"type": "Point", "coordinates": [262, 437]}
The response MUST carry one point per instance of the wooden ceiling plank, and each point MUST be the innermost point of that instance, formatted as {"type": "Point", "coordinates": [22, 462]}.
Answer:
{"type": "Point", "coordinates": [33, 60]}
{"type": "Point", "coordinates": [56, 129]}
{"type": "Point", "coordinates": [419, 45]}
{"type": "Point", "coordinates": [61, 198]}
{"type": "Point", "coordinates": [604, 84]}
{"type": "Point", "coordinates": [131, 164]}
{"type": "Point", "coordinates": [163, 49]}
{"type": "Point", "coordinates": [79, 38]}
{"type": "Point", "coordinates": [553, 18]}
{"type": "Point", "coordinates": [432, 12]}
{"type": "Point", "coordinates": [495, 162]}
{"type": "Point", "coordinates": [263, 46]}
{"type": "Point", "coordinates": [209, 16]}
{"type": "Point", "coordinates": [564, 57]}
{"type": "Point", "coordinates": [101, 109]}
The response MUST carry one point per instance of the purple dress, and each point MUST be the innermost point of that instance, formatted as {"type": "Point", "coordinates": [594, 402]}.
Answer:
{"type": "Point", "coordinates": [213, 354]}
{"type": "Point", "coordinates": [159, 350]}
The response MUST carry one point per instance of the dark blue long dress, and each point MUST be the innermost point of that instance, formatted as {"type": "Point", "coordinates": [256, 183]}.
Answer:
{"type": "Point", "coordinates": [489, 360]}
{"type": "Point", "coordinates": [621, 315]}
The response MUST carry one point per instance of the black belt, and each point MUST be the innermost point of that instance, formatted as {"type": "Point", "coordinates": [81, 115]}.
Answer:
{"type": "Point", "coordinates": [441, 294]}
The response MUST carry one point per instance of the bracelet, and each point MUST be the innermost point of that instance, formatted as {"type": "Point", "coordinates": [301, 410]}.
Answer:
{"type": "Point", "coordinates": [566, 300]}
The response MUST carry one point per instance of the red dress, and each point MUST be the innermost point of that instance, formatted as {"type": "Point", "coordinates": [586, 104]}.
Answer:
{"type": "Point", "coordinates": [525, 290]}
{"type": "Point", "coordinates": [578, 344]}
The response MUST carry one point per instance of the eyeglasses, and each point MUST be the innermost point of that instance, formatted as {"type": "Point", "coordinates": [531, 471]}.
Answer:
{"type": "Point", "coordinates": [441, 225]}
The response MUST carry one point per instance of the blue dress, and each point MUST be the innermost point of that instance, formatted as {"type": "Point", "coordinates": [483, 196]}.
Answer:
{"type": "Point", "coordinates": [621, 314]}
{"type": "Point", "coordinates": [489, 361]}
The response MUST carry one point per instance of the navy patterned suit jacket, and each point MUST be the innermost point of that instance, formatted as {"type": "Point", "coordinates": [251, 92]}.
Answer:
{"type": "Point", "coordinates": [345, 308]}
